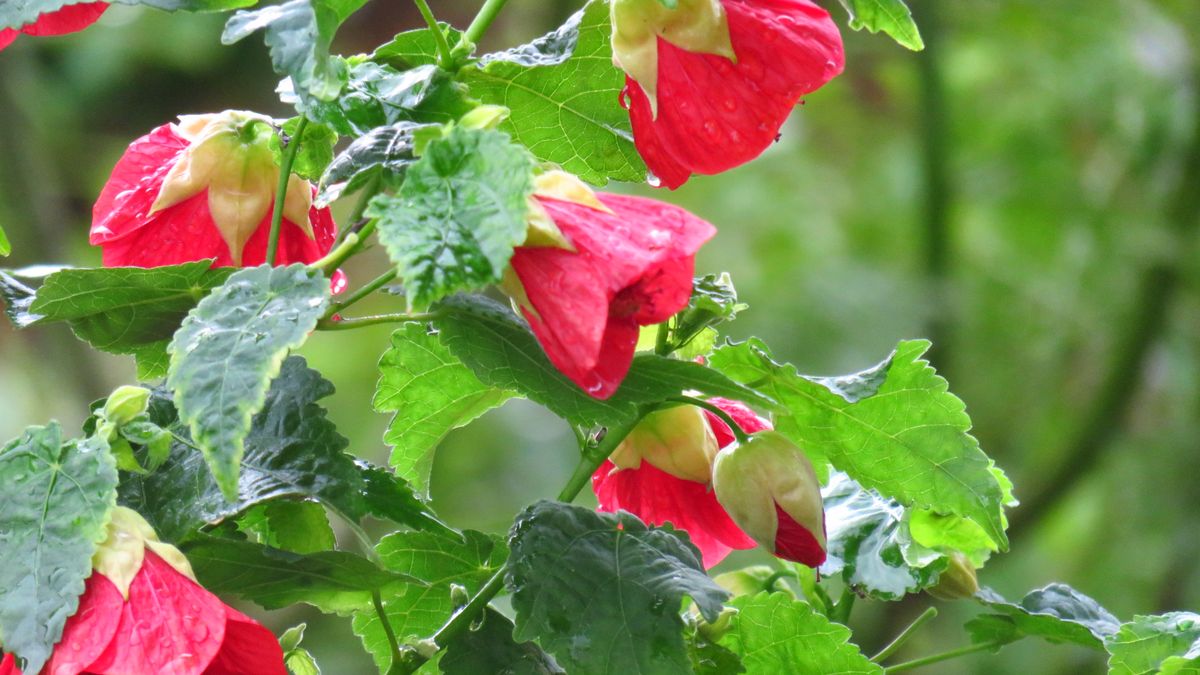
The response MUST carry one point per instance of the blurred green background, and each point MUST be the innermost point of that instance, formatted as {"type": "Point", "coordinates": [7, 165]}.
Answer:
{"type": "Point", "coordinates": [1018, 192]}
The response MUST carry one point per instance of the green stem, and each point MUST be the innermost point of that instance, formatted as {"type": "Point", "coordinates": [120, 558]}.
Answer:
{"type": "Point", "coordinates": [344, 250]}
{"type": "Point", "coordinates": [362, 321]}
{"type": "Point", "coordinates": [740, 435]}
{"type": "Point", "coordinates": [841, 611]}
{"type": "Point", "coordinates": [285, 173]}
{"type": "Point", "coordinates": [944, 656]}
{"type": "Point", "coordinates": [387, 627]}
{"type": "Point", "coordinates": [769, 584]}
{"type": "Point", "coordinates": [376, 284]}
{"type": "Point", "coordinates": [483, 20]}
{"type": "Point", "coordinates": [898, 642]}
{"type": "Point", "coordinates": [439, 38]}
{"type": "Point", "coordinates": [661, 345]}
{"type": "Point", "coordinates": [593, 458]}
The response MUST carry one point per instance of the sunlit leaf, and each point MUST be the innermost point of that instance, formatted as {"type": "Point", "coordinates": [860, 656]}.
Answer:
{"type": "Point", "coordinates": [775, 633]}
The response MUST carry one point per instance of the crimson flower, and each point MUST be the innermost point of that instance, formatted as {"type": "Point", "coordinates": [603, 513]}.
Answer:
{"type": "Point", "coordinates": [710, 83]}
{"type": "Point", "coordinates": [205, 188]}
{"type": "Point", "coordinates": [612, 264]}
{"type": "Point", "coordinates": [68, 19]}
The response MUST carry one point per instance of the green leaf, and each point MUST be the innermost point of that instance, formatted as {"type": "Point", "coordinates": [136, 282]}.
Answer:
{"type": "Point", "coordinates": [460, 212]}
{"type": "Point", "coordinates": [298, 34]}
{"type": "Point", "coordinates": [890, 16]}
{"type": "Point", "coordinates": [296, 658]}
{"type": "Point", "coordinates": [869, 543]}
{"type": "Point", "coordinates": [316, 148]}
{"type": "Point", "coordinates": [431, 392]}
{"type": "Point", "coordinates": [418, 611]}
{"type": "Point", "coordinates": [894, 428]}
{"type": "Point", "coordinates": [152, 360]}
{"type": "Point", "coordinates": [714, 301]}
{"type": "Point", "coordinates": [333, 581]}
{"type": "Point", "coordinates": [377, 95]}
{"type": "Point", "coordinates": [1167, 644]}
{"type": "Point", "coordinates": [229, 348]}
{"type": "Point", "coordinates": [708, 657]}
{"type": "Point", "coordinates": [414, 48]}
{"type": "Point", "coordinates": [565, 95]}
{"type": "Point", "coordinates": [56, 504]}
{"type": "Point", "coordinates": [584, 582]}
{"type": "Point", "coordinates": [384, 153]}
{"type": "Point", "coordinates": [298, 527]}
{"type": "Point", "coordinates": [490, 648]}
{"type": "Point", "coordinates": [5, 246]}
{"type": "Point", "coordinates": [1057, 613]}
{"type": "Point", "coordinates": [292, 451]}
{"type": "Point", "coordinates": [774, 633]}
{"type": "Point", "coordinates": [126, 310]}
{"type": "Point", "coordinates": [502, 352]}
{"type": "Point", "coordinates": [17, 14]}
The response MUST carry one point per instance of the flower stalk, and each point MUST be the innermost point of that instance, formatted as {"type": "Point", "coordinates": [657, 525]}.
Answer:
{"type": "Point", "coordinates": [285, 174]}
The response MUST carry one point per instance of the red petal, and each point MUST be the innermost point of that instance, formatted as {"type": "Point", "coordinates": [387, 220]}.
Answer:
{"type": "Point", "coordinates": [794, 542]}
{"type": "Point", "coordinates": [169, 626]}
{"type": "Point", "coordinates": [136, 179]}
{"type": "Point", "coordinates": [713, 114]}
{"type": "Point", "coordinates": [657, 497]}
{"type": "Point", "coordinates": [745, 418]}
{"type": "Point", "coordinates": [8, 665]}
{"type": "Point", "coordinates": [248, 649]}
{"type": "Point", "coordinates": [69, 19]}
{"type": "Point", "coordinates": [6, 38]}
{"type": "Point", "coordinates": [90, 630]}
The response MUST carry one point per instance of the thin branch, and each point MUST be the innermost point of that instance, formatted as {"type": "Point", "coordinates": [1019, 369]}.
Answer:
{"type": "Point", "coordinates": [285, 175]}
{"type": "Point", "coordinates": [445, 59]}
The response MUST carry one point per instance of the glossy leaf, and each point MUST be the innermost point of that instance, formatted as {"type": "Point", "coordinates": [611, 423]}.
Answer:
{"type": "Point", "coordinates": [890, 16]}
{"type": "Point", "coordinates": [460, 212]}
{"type": "Point", "coordinates": [228, 350]}
{"type": "Point", "coordinates": [17, 14]}
{"type": "Point", "coordinates": [1057, 613]}
{"type": "Point", "coordinates": [583, 582]}
{"type": "Point", "coordinates": [315, 152]}
{"type": "Point", "coordinates": [774, 633]}
{"type": "Point", "coordinates": [894, 428]}
{"type": "Point", "coordinates": [490, 648]}
{"type": "Point", "coordinates": [1166, 644]}
{"type": "Point", "coordinates": [565, 95]}
{"type": "Point", "coordinates": [382, 154]}
{"type": "Point", "coordinates": [431, 393]}
{"type": "Point", "coordinates": [295, 526]}
{"type": "Point", "coordinates": [414, 48]}
{"type": "Point", "coordinates": [58, 495]}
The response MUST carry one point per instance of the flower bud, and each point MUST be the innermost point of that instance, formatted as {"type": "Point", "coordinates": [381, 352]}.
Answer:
{"type": "Point", "coordinates": [958, 581]}
{"type": "Point", "coordinates": [677, 440]}
{"type": "Point", "coordinates": [769, 488]}
{"type": "Point", "coordinates": [126, 403]}
{"type": "Point", "coordinates": [484, 117]}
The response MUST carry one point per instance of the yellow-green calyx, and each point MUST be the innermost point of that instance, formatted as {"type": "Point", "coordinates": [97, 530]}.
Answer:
{"type": "Point", "coordinates": [126, 403]}
{"type": "Point", "coordinates": [676, 440]}
{"type": "Point", "coordinates": [694, 25]}
{"type": "Point", "coordinates": [958, 581]}
{"type": "Point", "coordinates": [121, 554]}
{"type": "Point", "coordinates": [229, 155]}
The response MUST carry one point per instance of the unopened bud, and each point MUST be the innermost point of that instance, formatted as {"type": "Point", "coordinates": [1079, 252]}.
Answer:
{"type": "Point", "coordinates": [125, 404]}
{"type": "Point", "coordinates": [484, 117]}
{"type": "Point", "coordinates": [958, 581]}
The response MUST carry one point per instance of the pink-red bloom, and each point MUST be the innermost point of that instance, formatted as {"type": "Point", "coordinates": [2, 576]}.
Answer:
{"type": "Point", "coordinates": [625, 262]}
{"type": "Point", "coordinates": [68, 19]}
{"type": "Point", "coordinates": [693, 108]}
{"type": "Point", "coordinates": [205, 188]}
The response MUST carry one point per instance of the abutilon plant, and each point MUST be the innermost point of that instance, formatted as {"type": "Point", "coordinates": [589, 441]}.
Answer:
{"type": "Point", "coordinates": [217, 474]}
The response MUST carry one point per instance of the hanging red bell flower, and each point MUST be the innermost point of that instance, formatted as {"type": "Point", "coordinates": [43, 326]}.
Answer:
{"type": "Point", "coordinates": [710, 83]}
{"type": "Point", "coordinates": [205, 188]}
{"type": "Point", "coordinates": [142, 613]}
{"type": "Point", "coordinates": [596, 267]}
{"type": "Point", "coordinates": [68, 19]}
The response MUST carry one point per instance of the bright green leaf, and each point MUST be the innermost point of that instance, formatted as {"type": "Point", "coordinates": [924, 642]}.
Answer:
{"type": "Point", "coordinates": [774, 633]}
{"type": "Point", "coordinates": [431, 392]}
{"type": "Point", "coordinates": [228, 350]}
{"type": "Point", "coordinates": [17, 14]}
{"type": "Point", "coordinates": [5, 246]}
{"type": "Point", "coordinates": [295, 526]}
{"type": "Point", "coordinates": [56, 504]}
{"type": "Point", "coordinates": [460, 212]}
{"type": "Point", "coordinates": [316, 148]}
{"type": "Point", "coordinates": [1057, 613]}
{"type": "Point", "coordinates": [602, 592]}
{"type": "Point", "coordinates": [414, 48]}
{"type": "Point", "coordinates": [382, 154]}
{"type": "Point", "coordinates": [894, 428]}
{"type": "Point", "coordinates": [890, 16]}
{"type": "Point", "coordinates": [490, 648]}
{"type": "Point", "coordinates": [1166, 644]}
{"type": "Point", "coordinates": [564, 93]}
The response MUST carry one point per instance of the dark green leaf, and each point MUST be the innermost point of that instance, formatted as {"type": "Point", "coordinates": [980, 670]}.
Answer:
{"type": "Point", "coordinates": [298, 34]}
{"type": "Point", "coordinates": [1166, 644]}
{"type": "Point", "coordinates": [490, 648]}
{"type": "Point", "coordinates": [774, 633]}
{"type": "Point", "coordinates": [707, 657]}
{"type": "Point", "coordinates": [228, 350]}
{"type": "Point", "coordinates": [894, 428]}
{"type": "Point", "coordinates": [431, 392]}
{"type": "Point", "coordinates": [17, 14]}
{"type": "Point", "coordinates": [414, 48]}
{"type": "Point", "coordinates": [333, 581]}
{"type": "Point", "coordinates": [384, 153]}
{"type": "Point", "coordinates": [295, 526]}
{"type": "Point", "coordinates": [565, 94]}
{"type": "Point", "coordinates": [56, 504]}
{"type": "Point", "coordinates": [418, 611]}
{"type": "Point", "coordinates": [454, 223]}
{"type": "Point", "coordinates": [585, 582]}
{"type": "Point", "coordinates": [292, 451]}
{"type": "Point", "coordinates": [890, 16]}
{"type": "Point", "coordinates": [502, 352]}
{"type": "Point", "coordinates": [316, 148]}
{"type": "Point", "coordinates": [714, 301]}
{"type": "Point", "coordinates": [869, 543]}
{"type": "Point", "coordinates": [1057, 613]}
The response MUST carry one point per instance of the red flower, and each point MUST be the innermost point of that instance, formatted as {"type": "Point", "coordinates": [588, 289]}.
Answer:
{"type": "Point", "coordinates": [629, 264]}
{"type": "Point", "coordinates": [68, 19]}
{"type": "Point", "coordinates": [658, 497]}
{"type": "Point", "coordinates": [205, 188]}
{"type": "Point", "coordinates": [697, 110]}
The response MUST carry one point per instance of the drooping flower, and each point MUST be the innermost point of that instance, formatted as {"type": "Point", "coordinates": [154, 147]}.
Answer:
{"type": "Point", "coordinates": [61, 21]}
{"type": "Point", "coordinates": [142, 612]}
{"type": "Point", "coordinates": [205, 188]}
{"type": "Point", "coordinates": [596, 267]}
{"type": "Point", "coordinates": [710, 83]}
{"type": "Point", "coordinates": [656, 495]}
